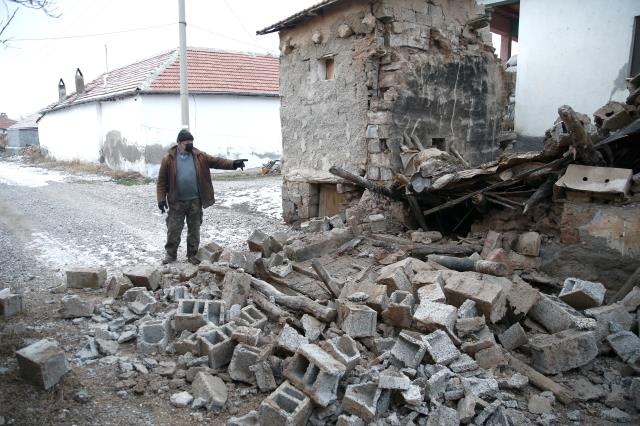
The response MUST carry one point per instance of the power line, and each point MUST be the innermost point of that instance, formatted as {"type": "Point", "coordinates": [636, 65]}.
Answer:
{"type": "Point", "coordinates": [233, 39]}
{"type": "Point", "coordinates": [251, 36]}
{"type": "Point", "coordinates": [94, 34]}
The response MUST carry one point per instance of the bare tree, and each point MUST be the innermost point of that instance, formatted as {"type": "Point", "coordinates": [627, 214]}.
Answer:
{"type": "Point", "coordinates": [12, 6]}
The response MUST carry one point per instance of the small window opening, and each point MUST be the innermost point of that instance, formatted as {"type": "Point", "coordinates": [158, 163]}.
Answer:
{"type": "Point", "coordinates": [327, 68]}
{"type": "Point", "coordinates": [439, 143]}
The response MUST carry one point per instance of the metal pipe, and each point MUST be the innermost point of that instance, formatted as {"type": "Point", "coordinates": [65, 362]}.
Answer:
{"type": "Point", "coordinates": [184, 88]}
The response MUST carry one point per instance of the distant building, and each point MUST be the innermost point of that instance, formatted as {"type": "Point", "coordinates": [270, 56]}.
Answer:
{"type": "Point", "coordinates": [128, 117]}
{"type": "Point", "coordinates": [5, 123]}
{"type": "Point", "coordinates": [24, 132]}
{"type": "Point", "coordinates": [574, 52]}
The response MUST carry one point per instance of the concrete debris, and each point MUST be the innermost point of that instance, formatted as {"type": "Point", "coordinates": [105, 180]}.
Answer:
{"type": "Point", "coordinates": [562, 351]}
{"type": "Point", "coordinates": [211, 389]}
{"type": "Point", "coordinates": [74, 307]}
{"type": "Point", "coordinates": [10, 303]}
{"type": "Point", "coordinates": [144, 276]}
{"type": "Point", "coordinates": [581, 294]}
{"type": "Point", "coordinates": [42, 363]}
{"type": "Point", "coordinates": [181, 399]}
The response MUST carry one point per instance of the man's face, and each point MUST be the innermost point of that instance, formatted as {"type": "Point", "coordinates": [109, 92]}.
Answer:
{"type": "Point", "coordinates": [183, 145]}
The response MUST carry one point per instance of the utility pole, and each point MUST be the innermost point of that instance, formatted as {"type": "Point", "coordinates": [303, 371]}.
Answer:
{"type": "Point", "coordinates": [184, 88]}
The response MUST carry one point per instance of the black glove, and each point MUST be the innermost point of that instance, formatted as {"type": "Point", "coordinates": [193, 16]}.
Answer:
{"type": "Point", "coordinates": [162, 205]}
{"type": "Point", "coordinates": [239, 164]}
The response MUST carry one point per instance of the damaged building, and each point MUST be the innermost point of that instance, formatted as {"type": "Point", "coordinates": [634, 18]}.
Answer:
{"type": "Point", "coordinates": [367, 84]}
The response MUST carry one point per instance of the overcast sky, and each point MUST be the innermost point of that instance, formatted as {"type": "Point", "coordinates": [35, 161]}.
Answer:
{"type": "Point", "coordinates": [30, 69]}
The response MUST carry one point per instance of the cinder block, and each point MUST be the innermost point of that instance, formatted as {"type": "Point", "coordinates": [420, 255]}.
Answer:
{"type": "Point", "coordinates": [132, 294]}
{"type": "Point", "coordinates": [73, 306]}
{"type": "Point", "coordinates": [391, 378]}
{"type": "Point", "coordinates": [626, 344]}
{"type": "Point", "coordinates": [235, 288]}
{"type": "Point", "coordinates": [410, 348]}
{"type": "Point", "coordinates": [440, 348]}
{"type": "Point", "coordinates": [357, 320]}
{"type": "Point", "coordinates": [289, 339]}
{"type": "Point", "coordinates": [210, 252]}
{"type": "Point", "coordinates": [489, 292]}
{"type": "Point", "coordinates": [153, 336]}
{"type": "Point", "coordinates": [552, 314]}
{"type": "Point", "coordinates": [211, 389]}
{"type": "Point", "coordinates": [581, 294]}
{"type": "Point", "coordinates": [118, 286]}
{"type": "Point", "coordinates": [431, 316]}
{"type": "Point", "coordinates": [260, 242]}
{"type": "Point", "coordinates": [315, 372]}
{"type": "Point", "coordinates": [250, 316]}
{"type": "Point", "coordinates": [522, 297]}
{"type": "Point", "coordinates": [466, 326]}
{"type": "Point", "coordinates": [286, 406]}
{"type": "Point", "coordinates": [42, 363]}
{"type": "Point", "coordinates": [189, 315]}
{"type": "Point", "coordinates": [555, 353]}
{"type": "Point", "coordinates": [431, 292]}
{"type": "Point", "coordinates": [215, 312]}
{"type": "Point", "coordinates": [482, 339]}
{"type": "Point", "coordinates": [343, 349]}
{"type": "Point", "coordinates": [394, 279]}
{"type": "Point", "coordinates": [86, 277]}
{"type": "Point", "coordinates": [264, 376]}
{"type": "Point", "coordinates": [610, 314]}
{"type": "Point", "coordinates": [187, 342]}
{"type": "Point", "coordinates": [490, 357]}
{"type": "Point", "coordinates": [218, 346]}
{"type": "Point", "coordinates": [244, 356]}
{"type": "Point", "coordinates": [247, 335]}
{"type": "Point", "coordinates": [400, 309]}
{"type": "Point", "coordinates": [443, 415]}
{"type": "Point", "coordinates": [467, 309]}
{"type": "Point", "coordinates": [144, 276]}
{"type": "Point", "coordinates": [144, 303]}
{"type": "Point", "coordinates": [513, 337]}
{"type": "Point", "coordinates": [363, 400]}
{"type": "Point", "coordinates": [10, 303]}
{"type": "Point", "coordinates": [528, 244]}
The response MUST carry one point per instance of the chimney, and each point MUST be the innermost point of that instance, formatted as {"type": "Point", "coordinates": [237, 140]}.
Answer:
{"type": "Point", "coordinates": [62, 91]}
{"type": "Point", "coordinates": [79, 82]}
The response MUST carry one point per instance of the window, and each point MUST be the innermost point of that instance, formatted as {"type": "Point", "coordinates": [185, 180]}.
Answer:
{"type": "Point", "coordinates": [326, 67]}
{"type": "Point", "coordinates": [634, 69]}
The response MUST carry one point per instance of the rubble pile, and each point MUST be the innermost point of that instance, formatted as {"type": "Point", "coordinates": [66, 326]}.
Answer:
{"type": "Point", "coordinates": [333, 328]}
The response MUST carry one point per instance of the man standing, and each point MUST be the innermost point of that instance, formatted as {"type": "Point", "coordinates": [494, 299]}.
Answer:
{"type": "Point", "coordinates": [184, 182]}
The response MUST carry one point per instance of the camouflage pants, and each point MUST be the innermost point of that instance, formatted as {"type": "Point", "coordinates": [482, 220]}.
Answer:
{"type": "Point", "coordinates": [190, 210]}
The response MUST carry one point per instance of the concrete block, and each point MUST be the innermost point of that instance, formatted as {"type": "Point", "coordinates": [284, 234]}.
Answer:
{"type": "Point", "coordinates": [362, 400]}
{"type": "Point", "coordinates": [187, 342]}
{"type": "Point", "coordinates": [211, 389]}
{"type": "Point", "coordinates": [189, 315]}
{"type": "Point", "coordinates": [260, 242]}
{"type": "Point", "coordinates": [286, 406]}
{"type": "Point", "coordinates": [264, 376]}
{"type": "Point", "coordinates": [351, 420]}
{"type": "Point", "coordinates": [10, 303]}
{"type": "Point", "coordinates": [86, 277]}
{"type": "Point", "coordinates": [431, 292]}
{"type": "Point", "coordinates": [632, 300]}
{"type": "Point", "coordinates": [552, 314]}
{"type": "Point", "coordinates": [42, 363]}
{"type": "Point", "coordinates": [467, 309]}
{"type": "Point", "coordinates": [437, 385]}
{"type": "Point", "coordinates": [528, 244]}
{"type": "Point", "coordinates": [218, 346]}
{"type": "Point", "coordinates": [443, 415]}
{"type": "Point", "coordinates": [581, 294]}
{"type": "Point", "coordinates": [118, 286]}
{"type": "Point", "coordinates": [480, 340]}
{"type": "Point", "coordinates": [625, 344]}
{"type": "Point", "coordinates": [315, 372]}
{"type": "Point", "coordinates": [215, 312]}
{"type": "Point", "coordinates": [467, 326]}
{"type": "Point", "coordinates": [235, 288]}
{"type": "Point", "coordinates": [73, 306]}
{"type": "Point", "coordinates": [555, 353]}
{"type": "Point", "coordinates": [289, 339]}
{"type": "Point", "coordinates": [491, 357]}
{"type": "Point", "coordinates": [392, 378]}
{"type": "Point", "coordinates": [153, 336]}
{"type": "Point", "coordinates": [480, 387]}
{"type": "Point", "coordinates": [210, 252]}
{"type": "Point", "coordinates": [410, 348]}
{"type": "Point", "coordinates": [313, 327]}
{"type": "Point", "coordinates": [144, 276]}
{"type": "Point", "coordinates": [440, 348]}
{"type": "Point", "coordinates": [247, 335]}
{"type": "Point", "coordinates": [321, 246]}
{"type": "Point", "coordinates": [399, 312]}
{"type": "Point", "coordinates": [131, 294]}
{"type": "Point", "coordinates": [521, 297]}
{"type": "Point", "coordinates": [607, 315]}
{"type": "Point", "coordinates": [344, 349]}
{"type": "Point", "coordinates": [144, 303]}
{"type": "Point", "coordinates": [635, 392]}
{"type": "Point", "coordinates": [489, 292]}
{"type": "Point", "coordinates": [244, 356]}
{"type": "Point", "coordinates": [513, 337]}
{"type": "Point", "coordinates": [463, 364]}
{"type": "Point", "coordinates": [467, 409]}
{"type": "Point", "coordinates": [431, 316]}
{"type": "Point", "coordinates": [394, 279]}
{"type": "Point", "coordinates": [357, 320]}
{"type": "Point", "coordinates": [492, 241]}
{"type": "Point", "coordinates": [250, 316]}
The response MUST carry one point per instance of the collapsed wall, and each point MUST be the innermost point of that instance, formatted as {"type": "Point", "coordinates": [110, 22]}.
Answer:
{"type": "Point", "coordinates": [365, 83]}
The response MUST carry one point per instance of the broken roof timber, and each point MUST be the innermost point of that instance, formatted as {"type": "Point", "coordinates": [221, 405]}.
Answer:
{"type": "Point", "coordinates": [295, 18]}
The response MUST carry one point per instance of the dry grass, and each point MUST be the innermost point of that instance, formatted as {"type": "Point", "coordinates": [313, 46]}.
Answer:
{"type": "Point", "coordinates": [36, 156]}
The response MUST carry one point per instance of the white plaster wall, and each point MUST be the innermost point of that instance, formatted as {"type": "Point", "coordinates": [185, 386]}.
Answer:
{"type": "Point", "coordinates": [125, 116]}
{"type": "Point", "coordinates": [72, 133]}
{"type": "Point", "coordinates": [224, 125]}
{"type": "Point", "coordinates": [573, 52]}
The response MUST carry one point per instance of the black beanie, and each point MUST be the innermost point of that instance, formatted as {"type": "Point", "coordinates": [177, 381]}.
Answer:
{"type": "Point", "coordinates": [184, 135]}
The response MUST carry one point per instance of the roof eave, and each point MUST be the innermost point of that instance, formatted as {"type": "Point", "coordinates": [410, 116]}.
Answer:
{"type": "Point", "coordinates": [300, 16]}
{"type": "Point", "coordinates": [204, 92]}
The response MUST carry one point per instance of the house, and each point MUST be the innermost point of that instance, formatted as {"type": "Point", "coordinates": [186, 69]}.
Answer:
{"type": "Point", "coordinates": [366, 84]}
{"type": "Point", "coordinates": [5, 123]}
{"type": "Point", "coordinates": [574, 52]}
{"type": "Point", "coordinates": [128, 117]}
{"type": "Point", "coordinates": [24, 132]}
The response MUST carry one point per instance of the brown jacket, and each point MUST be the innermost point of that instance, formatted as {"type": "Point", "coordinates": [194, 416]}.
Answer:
{"type": "Point", "coordinates": [166, 187]}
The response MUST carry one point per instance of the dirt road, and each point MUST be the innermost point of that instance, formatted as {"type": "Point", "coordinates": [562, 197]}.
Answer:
{"type": "Point", "coordinates": [50, 220]}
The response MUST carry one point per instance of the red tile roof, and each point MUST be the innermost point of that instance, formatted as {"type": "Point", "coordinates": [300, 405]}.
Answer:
{"type": "Point", "coordinates": [6, 122]}
{"type": "Point", "coordinates": [209, 71]}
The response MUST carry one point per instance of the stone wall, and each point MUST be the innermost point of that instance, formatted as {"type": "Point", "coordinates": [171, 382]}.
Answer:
{"type": "Point", "coordinates": [408, 74]}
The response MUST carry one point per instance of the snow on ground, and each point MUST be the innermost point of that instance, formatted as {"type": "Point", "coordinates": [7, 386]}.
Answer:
{"type": "Point", "coordinates": [266, 200]}
{"type": "Point", "coordinates": [17, 174]}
